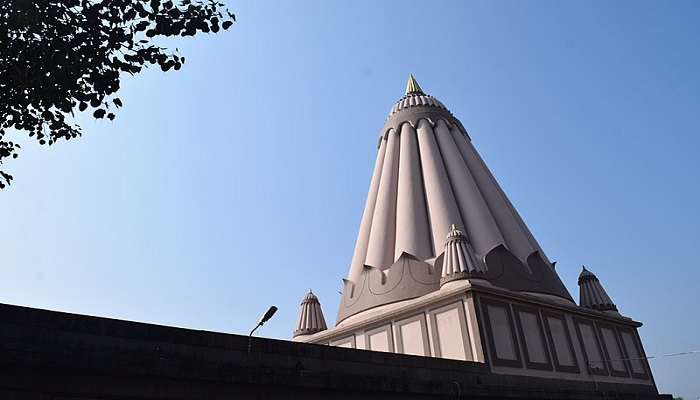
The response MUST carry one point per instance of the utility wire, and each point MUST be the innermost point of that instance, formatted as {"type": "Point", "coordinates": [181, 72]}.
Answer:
{"type": "Point", "coordinates": [682, 353]}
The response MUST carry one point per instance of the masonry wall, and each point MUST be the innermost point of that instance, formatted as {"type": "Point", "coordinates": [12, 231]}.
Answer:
{"type": "Point", "coordinates": [50, 355]}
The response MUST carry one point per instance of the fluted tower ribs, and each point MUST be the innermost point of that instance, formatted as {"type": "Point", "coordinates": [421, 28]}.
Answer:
{"type": "Point", "coordinates": [427, 177]}
{"type": "Point", "coordinates": [412, 235]}
{"type": "Point", "coordinates": [514, 231]}
{"type": "Point", "coordinates": [481, 227]}
{"type": "Point", "coordinates": [591, 292]}
{"type": "Point", "coordinates": [382, 236]}
{"type": "Point", "coordinates": [442, 207]}
{"type": "Point", "coordinates": [360, 254]}
{"type": "Point", "coordinates": [310, 319]}
{"type": "Point", "coordinates": [459, 260]}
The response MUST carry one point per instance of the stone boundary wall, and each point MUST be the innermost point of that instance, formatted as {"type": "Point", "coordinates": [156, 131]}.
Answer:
{"type": "Point", "coordinates": [48, 355]}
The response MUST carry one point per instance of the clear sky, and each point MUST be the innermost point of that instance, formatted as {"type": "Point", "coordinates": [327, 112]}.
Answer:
{"type": "Point", "coordinates": [239, 181]}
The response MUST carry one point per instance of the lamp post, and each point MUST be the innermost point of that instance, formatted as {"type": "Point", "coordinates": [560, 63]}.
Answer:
{"type": "Point", "coordinates": [266, 317]}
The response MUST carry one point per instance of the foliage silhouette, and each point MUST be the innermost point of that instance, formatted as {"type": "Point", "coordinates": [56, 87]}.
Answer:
{"type": "Point", "coordinates": [57, 56]}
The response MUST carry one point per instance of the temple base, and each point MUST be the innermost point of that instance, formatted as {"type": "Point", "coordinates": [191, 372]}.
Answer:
{"type": "Point", "coordinates": [512, 333]}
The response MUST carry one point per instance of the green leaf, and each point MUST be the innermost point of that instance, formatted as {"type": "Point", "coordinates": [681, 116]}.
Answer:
{"type": "Point", "coordinates": [72, 54]}
{"type": "Point", "coordinates": [141, 26]}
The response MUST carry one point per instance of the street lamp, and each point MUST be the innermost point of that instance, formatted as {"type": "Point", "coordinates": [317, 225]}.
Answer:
{"type": "Point", "coordinates": [266, 317]}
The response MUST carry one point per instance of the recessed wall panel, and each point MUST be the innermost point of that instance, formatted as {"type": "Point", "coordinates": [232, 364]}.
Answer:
{"type": "Point", "coordinates": [634, 355]}
{"type": "Point", "coordinates": [379, 339]}
{"type": "Point", "coordinates": [412, 336]}
{"type": "Point", "coordinates": [532, 338]}
{"type": "Point", "coordinates": [500, 333]}
{"type": "Point", "coordinates": [590, 344]}
{"type": "Point", "coordinates": [612, 351]}
{"type": "Point", "coordinates": [449, 333]}
{"type": "Point", "coordinates": [560, 344]}
{"type": "Point", "coordinates": [347, 342]}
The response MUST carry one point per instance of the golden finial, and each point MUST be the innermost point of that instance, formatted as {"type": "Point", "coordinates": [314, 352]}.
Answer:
{"type": "Point", "coordinates": [412, 86]}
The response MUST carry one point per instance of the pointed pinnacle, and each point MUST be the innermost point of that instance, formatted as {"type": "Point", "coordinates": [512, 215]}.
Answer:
{"type": "Point", "coordinates": [412, 86]}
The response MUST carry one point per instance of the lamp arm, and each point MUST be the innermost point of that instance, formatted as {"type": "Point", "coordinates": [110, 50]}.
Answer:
{"type": "Point", "coordinates": [254, 329]}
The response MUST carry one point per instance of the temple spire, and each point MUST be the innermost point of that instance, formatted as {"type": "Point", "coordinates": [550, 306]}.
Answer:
{"type": "Point", "coordinates": [592, 294]}
{"type": "Point", "coordinates": [459, 261]}
{"type": "Point", "coordinates": [412, 86]}
{"type": "Point", "coordinates": [310, 316]}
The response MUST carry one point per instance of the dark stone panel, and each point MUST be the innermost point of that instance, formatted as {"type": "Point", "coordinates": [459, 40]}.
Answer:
{"type": "Point", "coordinates": [567, 337]}
{"type": "Point", "coordinates": [491, 333]}
{"type": "Point", "coordinates": [47, 355]}
{"type": "Point", "coordinates": [519, 309]}
{"type": "Point", "coordinates": [591, 364]}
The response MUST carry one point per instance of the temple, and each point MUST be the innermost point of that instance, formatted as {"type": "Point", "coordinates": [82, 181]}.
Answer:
{"type": "Point", "coordinates": [445, 267]}
{"type": "Point", "coordinates": [447, 289]}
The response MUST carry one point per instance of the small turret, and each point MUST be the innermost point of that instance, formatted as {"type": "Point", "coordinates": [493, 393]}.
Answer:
{"type": "Point", "coordinates": [310, 316]}
{"type": "Point", "coordinates": [592, 294]}
{"type": "Point", "coordinates": [459, 261]}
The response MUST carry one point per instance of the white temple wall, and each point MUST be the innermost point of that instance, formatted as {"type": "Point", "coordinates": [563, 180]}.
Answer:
{"type": "Point", "coordinates": [346, 341]}
{"type": "Point", "coordinates": [411, 336]}
{"type": "Point", "coordinates": [515, 337]}
{"type": "Point", "coordinates": [527, 339]}
{"type": "Point", "coordinates": [440, 331]}
{"type": "Point", "coordinates": [450, 333]}
{"type": "Point", "coordinates": [380, 339]}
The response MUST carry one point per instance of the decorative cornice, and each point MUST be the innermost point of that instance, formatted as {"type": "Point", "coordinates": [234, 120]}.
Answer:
{"type": "Point", "coordinates": [416, 105]}
{"type": "Point", "coordinates": [415, 100]}
{"type": "Point", "coordinates": [407, 278]}
{"type": "Point", "coordinates": [463, 288]}
{"type": "Point", "coordinates": [413, 115]}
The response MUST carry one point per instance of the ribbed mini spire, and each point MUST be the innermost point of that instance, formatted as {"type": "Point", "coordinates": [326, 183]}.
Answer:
{"type": "Point", "coordinates": [592, 294]}
{"type": "Point", "coordinates": [310, 316]}
{"type": "Point", "coordinates": [459, 261]}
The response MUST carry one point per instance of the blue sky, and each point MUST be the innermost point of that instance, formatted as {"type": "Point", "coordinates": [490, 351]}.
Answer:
{"type": "Point", "coordinates": [239, 181]}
